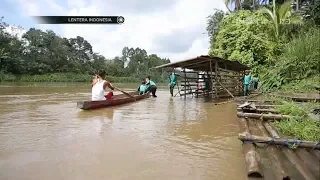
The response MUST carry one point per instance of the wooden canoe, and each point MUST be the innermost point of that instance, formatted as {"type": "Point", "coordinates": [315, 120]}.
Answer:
{"type": "Point", "coordinates": [116, 100]}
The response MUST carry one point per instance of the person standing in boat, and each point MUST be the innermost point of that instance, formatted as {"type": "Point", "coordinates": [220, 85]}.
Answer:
{"type": "Point", "coordinates": [151, 86]}
{"type": "Point", "coordinates": [99, 84]}
{"type": "Point", "coordinates": [172, 81]}
{"type": "Point", "coordinates": [142, 88]}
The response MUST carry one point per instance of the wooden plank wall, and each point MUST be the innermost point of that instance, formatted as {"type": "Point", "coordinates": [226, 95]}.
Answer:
{"type": "Point", "coordinates": [231, 80]}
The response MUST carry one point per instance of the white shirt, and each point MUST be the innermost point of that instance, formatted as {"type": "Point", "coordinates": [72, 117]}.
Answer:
{"type": "Point", "coordinates": [98, 91]}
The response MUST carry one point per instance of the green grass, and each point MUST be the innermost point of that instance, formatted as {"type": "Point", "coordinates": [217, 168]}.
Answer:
{"type": "Point", "coordinates": [303, 129]}
{"type": "Point", "coordinates": [292, 109]}
{"type": "Point", "coordinates": [307, 85]}
{"type": "Point", "coordinates": [299, 126]}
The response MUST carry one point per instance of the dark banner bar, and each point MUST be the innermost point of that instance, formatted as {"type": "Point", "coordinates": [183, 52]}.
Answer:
{"type": "Point", "coordinates": [79, 19]}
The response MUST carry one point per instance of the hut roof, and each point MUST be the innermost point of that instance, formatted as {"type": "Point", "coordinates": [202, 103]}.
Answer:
{"type": "Point", "coordinates": [202, 63]}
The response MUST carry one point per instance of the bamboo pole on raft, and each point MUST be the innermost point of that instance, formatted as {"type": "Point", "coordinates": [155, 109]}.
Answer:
{"type": "Point", "coordinates": [277, 141]}
{"type": "Point", "coordinates": [252, 157]}
{"type": "Point", "coordinates": [293, 158]}
{"type": "Point", "coordinates": [274, 154]}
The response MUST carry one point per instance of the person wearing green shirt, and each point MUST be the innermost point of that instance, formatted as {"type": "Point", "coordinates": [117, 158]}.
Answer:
{"type": "Point", "coordinates": [255, 82]}
{"type": "Point", "coordinates": [247, 82]}
{"type": "Point", "coordinates": [142, 88]}
{"type": "Point", "coordinates": [172, 82]}
{"type": "Point", "coordinates": [151, 86]}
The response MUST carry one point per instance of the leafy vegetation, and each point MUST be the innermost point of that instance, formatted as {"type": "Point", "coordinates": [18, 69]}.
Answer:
{"type": "Point", "coordinates": [45, 56]}
{"type": "Point", "coordinates": [299, 65]}
{"type": "Point", "coordinates": [299, 125]}
{"type": "Point", "coordinates": [292, 109]}
{"type": "Point", "coordinates": [279, 40]}
{"type": "Point", "coordinates": [301, 129]}
{"type": "Point", "coordinates": [246, 36]}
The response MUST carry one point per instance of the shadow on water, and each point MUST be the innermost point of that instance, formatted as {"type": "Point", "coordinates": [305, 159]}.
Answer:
{"type": "Point", "coordinates": [87, 115]}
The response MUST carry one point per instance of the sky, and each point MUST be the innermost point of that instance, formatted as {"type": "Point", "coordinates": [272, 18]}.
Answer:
{"type": "Point", "coordinates": [174, 29]}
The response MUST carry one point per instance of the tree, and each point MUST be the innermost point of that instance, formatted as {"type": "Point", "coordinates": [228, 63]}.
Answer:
{"type": "Point", "coordinates": [235, 3]}
{"type": "Point", "coordinates": [213, 23]}
{"type": "Point", "coordinates": [281, 15]}
{"type": "Point", "coordinates": [43, 52]}
{"type": "Point", "coordinates": [246, 36]}
{"type": "Point", "coordinates": [3, 56]}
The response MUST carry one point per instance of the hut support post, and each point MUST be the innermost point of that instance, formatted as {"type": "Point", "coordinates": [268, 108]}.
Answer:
{"type": "Point", "coordinates": [185, 83]}
{"type": "Point", "coordinates": [211, 78]}
{"type": "Point", "coordinates": [216, 78]}
{"type": "Point", "coordinates": [197, 89]}
{"type": "Point", "coordinates": [174, 70]}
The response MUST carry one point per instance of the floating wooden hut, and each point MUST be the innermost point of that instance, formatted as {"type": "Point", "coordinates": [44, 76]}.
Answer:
{"type": "Point", "coordinates": [224, 78]}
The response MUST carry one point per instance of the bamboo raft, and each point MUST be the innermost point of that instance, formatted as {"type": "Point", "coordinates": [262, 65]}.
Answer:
{"type": "Point", "coordinates": [267, 155]}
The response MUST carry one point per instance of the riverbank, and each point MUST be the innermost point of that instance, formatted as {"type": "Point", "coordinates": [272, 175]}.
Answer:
{"type": "Point", "coordinates": [66, 77]}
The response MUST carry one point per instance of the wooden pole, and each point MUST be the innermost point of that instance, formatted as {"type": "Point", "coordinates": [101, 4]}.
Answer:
{"type": "Point", "coordinates": [216, 77]}
{"type": "Point", "coordinates": [274, 155]}
{"type": "Point", "coordinates": [252, 158]}
{"type": "Point", "coordinates": [277, 141]}
{"type": "Point", "coordinates": [176, 82]}
{"type": "Point", "coordinates": [211, 76]}
{"type": "Point", "coordinates": [225, 89]}
{"type": "Point", "coordinates": [263, 116]}
{"type": "Point", "coordinates": [258, 110]}
{"type": "Point", "coordinates": [185, 83]}
{"type": "Point", "coordinates": [197, 85]}
{"type": "Point", "coordinates": [262, 106]}
{"type": "Point", "coordinates": [293, 158]}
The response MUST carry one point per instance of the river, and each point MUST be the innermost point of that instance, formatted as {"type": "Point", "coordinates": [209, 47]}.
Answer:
{"type": "Point", "coordinates": [43, 135]}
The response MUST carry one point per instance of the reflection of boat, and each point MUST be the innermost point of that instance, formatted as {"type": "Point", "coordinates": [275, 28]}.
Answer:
{"type": "Point", "coordinates": [116, 100]}
{"type": "Point", "coordinates": [99, 113]}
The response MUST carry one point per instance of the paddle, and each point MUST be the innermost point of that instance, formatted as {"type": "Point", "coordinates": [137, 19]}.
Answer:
{"type": "Point", "coordinates": [124, 92]}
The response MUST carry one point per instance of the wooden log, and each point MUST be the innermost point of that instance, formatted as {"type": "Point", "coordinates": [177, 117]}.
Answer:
{"type": "Point", "coordinates": [274, 156]}
{"type": "Point", "coordinates": [299, 97]}
{"type": "Point", "coordinates": [252, 158]}
{"type": "Point", "coordinates": [277, 141]}
{"type": "Point", "coordinates": [256, 101]}
{"type": "Point", "coordinates": [258, 110]}
{"type": "Point", "coordinates": [308, 160]}
{"type": "Point", "coordinates": [292, 157]}
{"type": "Point", "coordinates": [263, 116]}
{"type": "Point", "coordinates": [244, 105]}
{"type": "Point", "coordinates": [262, 106]}
{"type": "Point", "coordinates": [270, 130]}
{"type": "Point", "coordinates": [316, 154]}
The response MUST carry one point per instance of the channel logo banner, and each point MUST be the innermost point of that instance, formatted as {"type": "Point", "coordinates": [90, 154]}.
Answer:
{"type": "Point", "coordinates": [79, 19]}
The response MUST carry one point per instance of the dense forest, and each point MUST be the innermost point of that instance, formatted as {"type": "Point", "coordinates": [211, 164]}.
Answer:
{"type": "Point", "coordinates": [45, 56]}
{"type": "Point", "coordinates": [279, 39]}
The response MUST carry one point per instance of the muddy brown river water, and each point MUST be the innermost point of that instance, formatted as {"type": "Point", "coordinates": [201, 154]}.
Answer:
{"type": "Point", "coordinates": [43, 136]}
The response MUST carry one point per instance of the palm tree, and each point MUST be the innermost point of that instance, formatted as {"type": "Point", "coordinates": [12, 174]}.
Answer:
{"type": "Point", "coordinates": [236, 3]}
{"type": "Point", "coordinates": [281, 15]}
